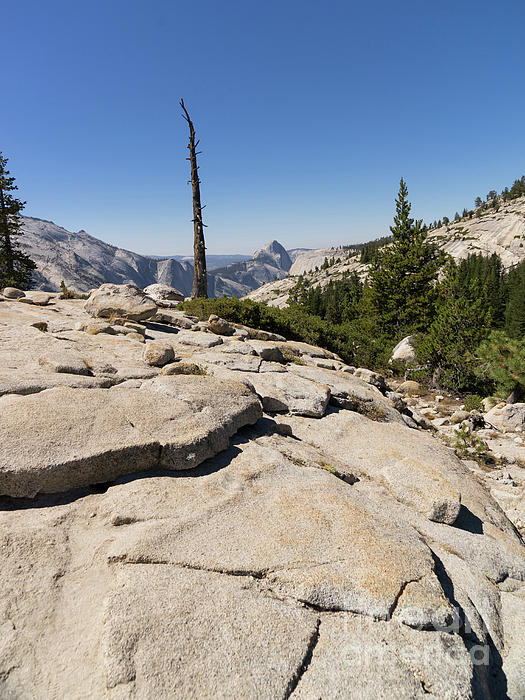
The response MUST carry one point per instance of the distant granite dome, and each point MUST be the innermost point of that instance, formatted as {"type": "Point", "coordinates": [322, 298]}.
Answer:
{"type": "Point", "coordinates": [274, 253]}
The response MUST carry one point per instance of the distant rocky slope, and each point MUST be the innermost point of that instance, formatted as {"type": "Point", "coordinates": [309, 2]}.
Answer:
{"type": "Point", "coordinates": [85, 262]}
{"type": "Point", "coordinates": [487, 232]}
{"type": "Point", "coordinates": [195, 509]}
{"type": "Point", "coordinates": [501, 232]}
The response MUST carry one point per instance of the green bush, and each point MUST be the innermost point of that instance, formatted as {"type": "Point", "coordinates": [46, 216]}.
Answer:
{"type": "Point", "coordinates": [352, 341]}
{"type": "Point", "coordinates": [473, 402]}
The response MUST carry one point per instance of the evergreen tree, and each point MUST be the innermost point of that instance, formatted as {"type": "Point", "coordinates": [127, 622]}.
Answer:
{"type": "Point", "coordinates": [515, 307]}
{"type": "Point", "coordinates": [460, 324]}
{"type": "Point", "coordinates": [478, 202]}
{"type": "Point", "coordinates": [16, 267]}
{"type": "Point", "coordinates": [403, 275]}
{"type": "Point", "coordinates": [505, 362]}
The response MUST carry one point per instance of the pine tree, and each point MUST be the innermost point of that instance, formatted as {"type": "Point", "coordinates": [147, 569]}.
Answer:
{"type": "Point", "coordinates": [461, 321]}
{"type": "Point", "coordinates": [515, 307]}
{"type": "Point", "coordinates": [478, 202]}
{"type": "Point", "coordinates": [403, 275]}
{"type": "Point", "coordinates": [16, 267]}
{"type": "Point", "coordinates": [505, 362]}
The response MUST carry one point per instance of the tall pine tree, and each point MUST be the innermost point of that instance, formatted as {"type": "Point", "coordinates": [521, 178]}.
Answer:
{"type": "Point", "coordinates": [403, 275]}
{"type": "Point", "coordinates": [16, 267]}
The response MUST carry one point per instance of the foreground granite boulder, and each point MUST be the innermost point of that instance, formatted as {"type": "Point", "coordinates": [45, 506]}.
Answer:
{"type": "Point", "coordinates": [64, 438]}
{"type": "Point", "coordinates": [161, 537]}
{"type": "Point", "coordinates": [120, 300]}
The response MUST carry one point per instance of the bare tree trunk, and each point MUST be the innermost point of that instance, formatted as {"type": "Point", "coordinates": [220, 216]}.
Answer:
{"type": "Point", "coordinates": [200, 283]}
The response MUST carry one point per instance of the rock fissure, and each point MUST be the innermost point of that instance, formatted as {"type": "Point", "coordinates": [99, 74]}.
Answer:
{"type": "Point", "coordinates": [307, 659]}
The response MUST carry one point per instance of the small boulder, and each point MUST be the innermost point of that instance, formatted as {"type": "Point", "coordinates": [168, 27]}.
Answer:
{"type": "Point", "coordinates": [125, 300]}
{"type": "Point", "coordinates": [411, 388]}
{"type": "Point", "coordinates": [163, 295]}
{"type": "Point", "coordinates": [372, 378]}
{"type": "Point", "coordinates": [198, 339]}
{"type": "Point", "coordinates": [36, 298]}
{"type": "Point", "coordinates": [267, 351]}
{"type": "Point", "coordinates": [220, 326]}
{"type": "Point", "coordinates": [13, 293]}
{"type": "Point", "coordinates": [404, 351]}
{"type": "Point", "coordinates": [157, 354]}
{"type": "Point", "coordinates": [64, 362]}
{"type": "Point", "coordinates": [458, 417]}
{"type": "Point", "coordinates": [96, 327]}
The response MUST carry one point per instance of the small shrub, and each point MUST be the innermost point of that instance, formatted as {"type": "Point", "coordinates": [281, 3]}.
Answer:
{"type": "Point", "coordinates": [473, 402]}
{"type": "Point", "coordinates": [468, 444]}
{"type": "Point", "coordinates": [67, 293]}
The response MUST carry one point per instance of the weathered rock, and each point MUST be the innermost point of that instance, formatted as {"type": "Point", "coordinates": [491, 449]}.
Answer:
{"type": "Point", "coordinates": [220, 326]}
{"type": "Point", "coordinates": [294, 541]}
{"type": "Point", "coordinates": [135, 327]}
{"type": "Point", "coordinates": [96, 327]}
{"type": "Point", "coordinates": [372, 378]}
{"type": "Point", "coordinates": [24, 384]}
{"type": "Point", "coordinates": [237, 347]}
{"type": "Point", "coordinates": [360, 658]}
{"type": "Point", "coordinates": [293, 394]}
{"type": "Point", "coordinates": [419, 419]}
{"type": "Point", "coordinates": [13, 293]}
{"type": "Point", "coordinates": [410, 388]}
{"type": "Point", "coordinates": [233, 361]}
{"type": "Point", "coordinates": [94, 435]}
{"type": "Point", "coordinates": [267, 351]}
{"type": "Point", "coordinates": [458, 417]}
{"type": "Point", "coordinates": [124, 300]}
{"type": "Point", "coordinates": [64, 362]}
{"type": "Point", "coordinates": [158, 354]}
{"type": "Point", "coordinates": [299, 348]}
{"type": "Point", "coordinates": [163, 295]}
{"type": "Point", "coordinates": [299, 562]}
{"type": "Point", "coordinates": [509, 416]}
{"type": "Point", "coordinates": [421, 473]}
{"type": "Point", "coordinates": [174, 318]}
{"type": "Point", "coordinates": [351, 393]}
{"type": "Point", "coordinates": [36, 298]}
{"type": "Point", "coordinates": [198, 339]}
{"type": "Point", "coordinates": [404, 351]}
{"type": "Point", "coordinates": [200, 634]}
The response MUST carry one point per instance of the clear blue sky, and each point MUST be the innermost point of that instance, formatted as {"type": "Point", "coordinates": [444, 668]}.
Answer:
{"type": "Point", "coordinates": [308, 114]}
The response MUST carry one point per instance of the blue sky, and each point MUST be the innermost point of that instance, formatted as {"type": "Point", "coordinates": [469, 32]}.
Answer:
{"type": "Point", "coordinates": [308, 114]}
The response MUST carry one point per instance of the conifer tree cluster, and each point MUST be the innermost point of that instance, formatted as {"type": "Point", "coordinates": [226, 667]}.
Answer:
{"type": "Point", "coordinates": [16, 267]}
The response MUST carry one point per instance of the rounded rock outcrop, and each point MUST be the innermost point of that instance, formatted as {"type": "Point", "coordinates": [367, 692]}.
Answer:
{"type": "Point", "coordinates": [120, 300]}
